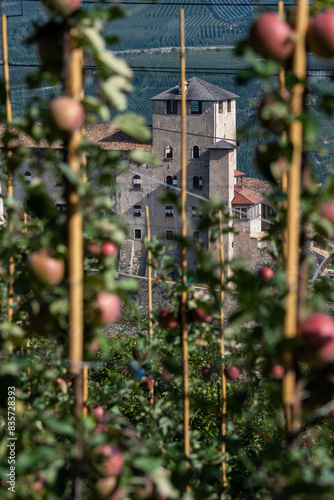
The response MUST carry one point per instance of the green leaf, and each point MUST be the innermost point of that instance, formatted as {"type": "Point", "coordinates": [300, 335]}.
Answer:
{"type": "Point", "coordinates": [133, 126]}
{"type": "Point", "coordinates": [140, 156]}
{"type": "Point", "coordinates": [147, 463]}
{"type": "Point", "coordinates": [117, 66]}
{"type": "Point", "coordinates": [96, 41]}
{"type": "Point", "coordinates": [113, 91]}
{"type": "Point", "coordinates": [60, 426]}
{"type": "Point", "coordinates": [128, 284]}
{"type": "Point", "coordinates": [29, 459]}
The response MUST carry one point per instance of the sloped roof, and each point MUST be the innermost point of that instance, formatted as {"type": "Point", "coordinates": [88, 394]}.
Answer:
{"type": "Point", "coordinates": [197, 90]}
{"type": "Point", "coordinates": [222, 145]}
{"type": "Point", "coordinates": [246, 197]}
{"type": "Point", "coordinates": [237, 173]}
{"type": "Point", "coordinates": [104, 134]}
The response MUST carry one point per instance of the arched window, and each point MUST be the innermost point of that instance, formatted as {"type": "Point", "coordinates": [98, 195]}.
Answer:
{"type": "Point", "coordinates": [175, 180]}
{"type": "Point", "coordinates": [136, 182]}
{"type": "Point", "coordinates": [27, 177]}
{"type": "Point", "coordinates": [169, 152]}
{"type": "Point", "coordinates": [195, 152]}
{"type": "Point", "coordinates": [197, 182]}
{"type": "Point", "coordinates": [169, 181]}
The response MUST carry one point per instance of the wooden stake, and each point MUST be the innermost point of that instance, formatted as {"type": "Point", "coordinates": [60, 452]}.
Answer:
{"type": "Point", "coordinates": [184, 248]}
{"type": "Point", "coordinates": [73, 88]}
{"type": "Point", "coordinates": [149, 259]}
{"type": "Point", "coordinates": [222, 348]}
{"type": "Point", "coordinates": [150, 315]}
{"type": "Point", "coordinates": [10, 176]}
{"type": "Point", "coordinates": [296, 131]}
{"type": "Point", "coordinates": [85, 389]}
{"type": "Point", "coordinates": [284, 180]}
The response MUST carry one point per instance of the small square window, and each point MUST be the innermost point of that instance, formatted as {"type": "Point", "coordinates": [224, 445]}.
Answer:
{"type": "Point", "coordinates": [196, 235]}
{"type": "Point", "coordinates": [229, 106]}
{"type": "Point", "coordinates": [168, 211]}
{"type": "Point", "coordinates": [137, 211]}
{"type": "Point", "coordinates": [169, 235]}
{"type": "Point", "coordinates": [137, 234]}
{"type": "Point", "coordinates": [196, 107]}
{"type": "Point", "coordinates": [169, 152]}
{"type": "Point", "coordinates": [61, 207]}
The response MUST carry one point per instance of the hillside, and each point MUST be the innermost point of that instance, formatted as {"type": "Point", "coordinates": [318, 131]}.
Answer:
{"type": "Point", "coordinates": [155, 25]}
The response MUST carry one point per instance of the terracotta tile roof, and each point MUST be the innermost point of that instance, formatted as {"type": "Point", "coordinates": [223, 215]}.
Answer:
{"type": "Point", "coordinates": [237, 173]}
{"type": "Point", "coordinates": [109, 137]}
{"type": "Point", "coordinates": [102, 133]}
{"type": "Point", "coordinates": [246, 197]}
{"type": "Point", "coordinates": [257, 185]}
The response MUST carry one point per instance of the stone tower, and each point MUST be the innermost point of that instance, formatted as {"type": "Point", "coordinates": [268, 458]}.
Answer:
{"type": "Point", "coordinates": [211, 154]}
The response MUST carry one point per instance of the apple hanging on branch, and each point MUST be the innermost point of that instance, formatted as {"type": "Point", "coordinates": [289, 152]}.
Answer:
{"type": "Point", "coordinates": [266, 274]}
{"type": "Point", "coordinates": [105, 309]}
{"type": "Point", "coordinates": [320, 34]}
{"type": "Point", "coordinates": [271, 37]}
{"type": "Point", "coordinates": [317, 332]}
{"type": "Point", "coordinates": [46, 269]}
{"type": "Point", "coordinates": [167, 319]}
{"type": "Point", "coordinates": [327, 211]}
{"type": "Point", "coordinates": [66, 114]}
{"type": "Point", "coordinates": [62, 8]}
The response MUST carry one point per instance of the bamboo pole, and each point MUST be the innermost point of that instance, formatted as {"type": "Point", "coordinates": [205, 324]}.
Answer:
{"type": "Point", "coordinates": [184, 248]}
{"type": "Point", "coordinates": [296, 131]}
{"type": "Point", "coordinates": [73, 88]}
{"type": "Point", "coordinates": [85, 389]}
{"type": "Point", "coordinates": [222, 348]}
{"type": "Point", "coordinates": [150, 315]}
{"type": "Point", "coordinates": [149, 259]}
{"type": "Point", "coordinates": [284, 180]}
{"type": "Point", "coordinates": [10, 176]}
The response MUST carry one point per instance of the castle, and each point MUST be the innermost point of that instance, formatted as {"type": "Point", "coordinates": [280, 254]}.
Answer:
{"type": "Point", "coordinates": [211, 153]}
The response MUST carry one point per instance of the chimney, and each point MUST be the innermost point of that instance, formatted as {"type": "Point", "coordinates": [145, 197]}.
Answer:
{"type": "Point", "coordinates": [180, 87]}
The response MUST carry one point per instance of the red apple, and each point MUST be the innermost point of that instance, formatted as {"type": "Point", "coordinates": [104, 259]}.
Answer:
{"type": "Point", "coordinates": [271, 37]}
{"type": "Point", "coordinates": [113, 466]}
{"type": "Point", "coordinates": [93, 248]}
{"type": "Point", "coordinates": [109, 249]}
{"type": "Point", "coordinates": [201, 315]}
{"type": "Point", "coordinates": [66, 113]}
{"type": "Point", "coordinates": [327, 210]}
{"type": "Point", "coordinates": [94, 346]}
{"type": "Point", "coordinates": [107, 308]}
{"type": "Point", "coordinates": [318, 333]}
{"type": "Point", "coordinates": [277, 372]}
{"type": "Point", "coordinates": [46, 269]}
{"type": "Point", "coordinates": [167, 319]}
{"type": "Point", "coordinates": [266, 274]}
{"type": "Point", "coordinates": [232, 372]}
{"type": "Point", "coordinates": [206, 371]}
{"type": "Point", "coordinates": [138, 355]}
{"type": "Point", "coordinates": [149, 383]}
{"type": "Point", "coordinates": [99, 412]}
{"type": "Point", "coordinates": [165, 374]}
{"type": "Point", "coordinates": [320, 34]}
{"type": "Point", "coordinates": [62, 8]}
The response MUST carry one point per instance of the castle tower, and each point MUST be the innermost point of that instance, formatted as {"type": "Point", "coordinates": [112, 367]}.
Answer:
{"type": "Point", "coordinates": [211, 155]}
